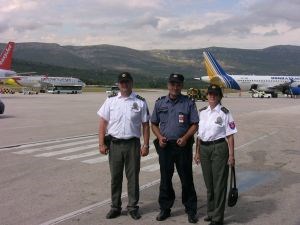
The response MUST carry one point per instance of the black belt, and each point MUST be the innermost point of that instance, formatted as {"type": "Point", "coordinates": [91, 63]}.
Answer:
{"type": "Point", "coordinates": [118, 140]}
{"type": "Point", "coordinates": [213, 142]}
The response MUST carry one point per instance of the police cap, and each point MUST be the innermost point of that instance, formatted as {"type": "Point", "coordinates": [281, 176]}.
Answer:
{"type": "Point", "coordinates": [125, 76]}
{"type": "Point", "coordinates": [176, 78]}
{"type": "Point", "coordinates": [215, 89]}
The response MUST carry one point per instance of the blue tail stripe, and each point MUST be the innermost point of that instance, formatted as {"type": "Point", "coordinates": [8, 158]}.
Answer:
{"type": "Point", "coordinates": [218, 68]}
{"type": "Point", "coordinates": [230, 82]}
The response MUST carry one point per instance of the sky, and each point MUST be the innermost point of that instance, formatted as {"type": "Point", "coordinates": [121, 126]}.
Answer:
{"type": "Point", "coordinates": [152, 24]}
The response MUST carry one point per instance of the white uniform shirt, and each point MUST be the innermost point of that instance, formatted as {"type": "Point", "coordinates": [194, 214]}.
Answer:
{"type": "Point", "coordinates": [125, 115]}
{"type": "Point", "coordinates": [215, 124]}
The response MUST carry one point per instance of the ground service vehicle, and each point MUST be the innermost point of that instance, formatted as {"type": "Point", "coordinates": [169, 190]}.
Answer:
{"type": "Point", "coordinates": [113, 90]}
{"type": "Point", "coordinates": [61, 89]}
{"type": "Point", "coordinates": [197, 94]}
{"type": "Point", "coordinates": [260, 94]}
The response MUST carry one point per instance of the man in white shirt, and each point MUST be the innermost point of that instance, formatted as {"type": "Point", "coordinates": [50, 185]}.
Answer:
{"type": "Point", "coordinates": [121, 117]}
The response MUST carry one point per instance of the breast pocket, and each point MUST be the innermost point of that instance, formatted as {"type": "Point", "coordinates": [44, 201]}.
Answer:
{"type": "Point", "coordinates": [163, 115]}
{"type": "Point", "coordinates": [218, 127]}
{"type": "Point", "coordinates": [135, 114]}
{"type": "Point", "coordinates": [114, 112]}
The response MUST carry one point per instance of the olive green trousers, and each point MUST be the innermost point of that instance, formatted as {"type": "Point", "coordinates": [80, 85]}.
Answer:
{"type": "Point", "coordinates": [125, 154]}
{"type": "Point", "coordinates": [214, 158]}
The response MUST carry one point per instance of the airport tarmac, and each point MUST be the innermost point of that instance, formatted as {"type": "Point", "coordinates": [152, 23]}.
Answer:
{"type": "Point", "coordinates": [51, 171]}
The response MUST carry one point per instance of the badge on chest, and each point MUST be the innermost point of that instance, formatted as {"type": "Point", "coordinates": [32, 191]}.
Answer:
{"type": "Point", "coordinates": [219, 121]}
{"type": "Point", "coordinates": [181, 118]}
{"type": "Point", "coordinates": [135, 106]}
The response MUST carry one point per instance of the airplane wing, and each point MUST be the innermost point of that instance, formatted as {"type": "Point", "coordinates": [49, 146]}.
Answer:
{"type": "Point", "coordinates": [26, 73]}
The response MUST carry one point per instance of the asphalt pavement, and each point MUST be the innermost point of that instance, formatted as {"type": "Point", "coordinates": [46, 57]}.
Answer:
{"type": "Point", "coordinates": [52, 173]}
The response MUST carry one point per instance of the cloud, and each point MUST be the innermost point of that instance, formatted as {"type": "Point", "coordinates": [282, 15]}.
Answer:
{"type": "Point", "coordinates": [144, 24]}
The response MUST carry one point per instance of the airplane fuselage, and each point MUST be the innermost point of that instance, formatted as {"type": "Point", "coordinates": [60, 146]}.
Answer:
{"type": "Point", "coordinates": [261, 83]}
{"type": "Point", "coordinates": [6, 73]}
{"type": "Point", "coordinates": [40, 81]}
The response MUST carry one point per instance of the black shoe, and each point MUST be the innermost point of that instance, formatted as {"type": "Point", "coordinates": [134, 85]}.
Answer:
{"type": "Point", "coordinates": [135, 214]}
{"type": "Point", "coordinates": [113, 214]}
{"type": "Point", "coordinates": [216, 223]}
{"type": "Point", "coordinates": [207, 219]}
{"type": "Point", "coordinates": [163, 215]}
{"type": "Point", "coordinates": [192, 218]}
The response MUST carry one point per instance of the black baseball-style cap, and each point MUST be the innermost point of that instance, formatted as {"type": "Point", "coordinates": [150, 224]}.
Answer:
{"type": "Point", "coordinates": [125, 76]}
{"type": "Point", "coordinates": [176, 78]}
{"type": "Point", "coordinates": [215, 89]}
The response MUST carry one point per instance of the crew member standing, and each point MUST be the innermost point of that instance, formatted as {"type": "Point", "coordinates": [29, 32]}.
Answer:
{"type": "Point", "coordinates": [215, 151]}
{"type": "Point", "coordinates": [174, 122]}
{"type": "Point", "coordinates": [122, 115]}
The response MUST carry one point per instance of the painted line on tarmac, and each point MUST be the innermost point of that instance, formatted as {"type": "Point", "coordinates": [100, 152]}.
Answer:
{"type": "Point", "coordinates": [48, 148]}
{"type": "Point", "coordinates": [143, 187]}
{"type": "Point", "coordinates": [96, 205]}
{"type": "Point", "coordinates": [257, 139]}
{"type": "Point", "coordinates": [68, 150]}
{"type": "Point", "coordinates": [37, 143]}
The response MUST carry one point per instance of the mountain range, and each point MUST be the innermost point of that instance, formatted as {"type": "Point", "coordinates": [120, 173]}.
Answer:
{"type": "Point", "coordinates": [100, 64]}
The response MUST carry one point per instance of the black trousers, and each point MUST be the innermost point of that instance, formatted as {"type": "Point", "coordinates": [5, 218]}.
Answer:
{"type": "Point", "coordinates": [182, 157]}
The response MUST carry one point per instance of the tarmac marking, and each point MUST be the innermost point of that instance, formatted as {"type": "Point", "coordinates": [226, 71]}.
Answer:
{"type": "Point", "coordinates": [151, 168]}
{"type": "Point", "coordinates": [27, 145]}
{"type": "Point", "coordinates": [96, 160]}
{"type": "Point", "coordinates": [69, 150]}
{"type": "Point", "coordinates": [98, 204]}
{"type": "Point", "coordinates": [257, 139]}
{"type": "Point", "coordinates": [55, 146]}
{"type": "Point", "coordinates": [86, 154]}
{"type": "Point", "coordinates": [94, 206]}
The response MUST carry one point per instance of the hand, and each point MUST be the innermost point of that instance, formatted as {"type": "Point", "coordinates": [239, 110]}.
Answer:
{"type": "Point", "coordinates": [144, 150]}
{"type": "Point", "coordinates": [181, 142]}
{"type": "Point", "coordinates": [103, 149]}
{"type": "Point", "coordinates": [231, 160]}
{"type": "Point", "coordinates": [162, 141]}
{"type": "Point", "coordinates": [197, 158]}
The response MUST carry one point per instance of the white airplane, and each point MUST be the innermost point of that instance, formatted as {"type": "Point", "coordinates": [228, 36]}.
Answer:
{"type": "Point", "coordinates": [6, 59]}
{"type": "Point", "coordinates": [269, 84]}
{"type": "Point", "coordinates": [44, 81]}
{"type": "Point", "coordinates": [12, 78]}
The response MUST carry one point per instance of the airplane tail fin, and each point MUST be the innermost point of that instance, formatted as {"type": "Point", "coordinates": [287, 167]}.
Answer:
{"type": "Point", "coordinates": [6, 56]}
{"type": "Point", "coordinates": [217, 74]}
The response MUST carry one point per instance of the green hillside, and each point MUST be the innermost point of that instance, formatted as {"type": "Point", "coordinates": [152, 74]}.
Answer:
{"type": "Point", "coordinates": [100, 64]}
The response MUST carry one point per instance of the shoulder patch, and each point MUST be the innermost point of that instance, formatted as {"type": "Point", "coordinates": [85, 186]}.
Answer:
{"type": "Point", "coordinates": [160, 98]}
{"type": "Point", "coordinates": [140, 97]}
{"type": "Point", "coordinates": [113, 95]}
{"type": "Point", "coordinates": [224, 110]}
{"type": "Point", "coordinates": [203, 108]}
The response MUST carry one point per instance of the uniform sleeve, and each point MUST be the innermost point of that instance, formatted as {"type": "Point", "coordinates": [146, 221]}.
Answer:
{"type": "Point", "coordinates": [194, 117]}
{"type": "Point", "coordinates": [145, 113]}
{"type": "Point", "coordinates": [104, 111]}
{"type": "Point", "coordinates": [230, 125]}
{"type": "Point", "coordinates": [154, 116]}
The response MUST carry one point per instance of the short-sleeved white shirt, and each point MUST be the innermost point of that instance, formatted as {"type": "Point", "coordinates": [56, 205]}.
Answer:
{"type": "Point", "coordinates": [125, 115]}
{"type": "Point", "coordinates": [215, 124]}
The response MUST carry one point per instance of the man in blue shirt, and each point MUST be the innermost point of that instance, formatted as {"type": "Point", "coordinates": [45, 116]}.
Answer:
{"type": "Point", "coordinates": [174, 122]}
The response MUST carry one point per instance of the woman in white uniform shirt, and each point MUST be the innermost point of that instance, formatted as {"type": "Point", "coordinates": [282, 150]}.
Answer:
{"type": "Point", "coordinates": [215, 152]}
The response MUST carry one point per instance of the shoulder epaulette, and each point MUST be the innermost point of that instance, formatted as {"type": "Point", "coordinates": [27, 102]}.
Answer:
{"type": "Point", "coordinates": [202, 108]}
{"type": "Point", "coordinates": [224, 110]}
{"type": "Point", "coordinates": [140, 97]}
{"type": "Point", "coordinates": [113, 95]}
{"type": "Point", "coordinates": [162, 97]}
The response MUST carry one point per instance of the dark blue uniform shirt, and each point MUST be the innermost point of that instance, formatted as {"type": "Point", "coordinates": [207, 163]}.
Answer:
{"type": "Point", "coordinates": [174, 116]}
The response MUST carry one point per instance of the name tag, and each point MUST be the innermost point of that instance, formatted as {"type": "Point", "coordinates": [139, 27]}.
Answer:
{"type": "Point", "coordinates": [181, 118]}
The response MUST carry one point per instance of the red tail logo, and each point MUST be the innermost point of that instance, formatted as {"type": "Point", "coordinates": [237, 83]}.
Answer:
{"type": "Point", "coordinates": [6, 56]}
